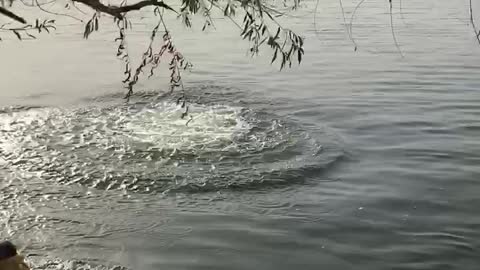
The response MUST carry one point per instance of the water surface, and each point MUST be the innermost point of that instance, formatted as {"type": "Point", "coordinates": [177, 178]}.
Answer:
{"type": "Point", "coordinates": [353, 160]}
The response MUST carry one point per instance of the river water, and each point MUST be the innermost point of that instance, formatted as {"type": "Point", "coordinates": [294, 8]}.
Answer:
{"type": "Point", "coordinates": [353, 160]}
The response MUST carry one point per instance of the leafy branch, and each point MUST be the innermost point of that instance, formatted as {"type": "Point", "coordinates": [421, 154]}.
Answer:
{"type": "Point", "coordinates": [151, 59]}
{"type": "Point", "coordinates": [256, 28]}
{"type": "Point", "coordinates": [26, 30]}
{"type": "Point", "coordinates": [285, 43]}
{"type": "Point", "coordinates": [119, 11]}
{"type": "Point", "coordinates": [92, 25]}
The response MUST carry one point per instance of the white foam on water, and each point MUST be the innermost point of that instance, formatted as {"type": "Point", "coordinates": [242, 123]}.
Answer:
{"type": "Point", "coordinates": [57, 264]}
{"type": "Point", "coordinates": [149, 147]}
{"type": "Point", "coordinates": [203, 127]}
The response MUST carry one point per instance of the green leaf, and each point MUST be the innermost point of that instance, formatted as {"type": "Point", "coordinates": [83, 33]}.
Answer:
{"type": "Point", "coordinates": [271, 42]}
{"type": "Point", "coordinates": [96, 24]}
{"type": "Point", "coordinates": [227, 11]}
{"type": "Point", "coordinates": [278, 32]}
{"type": "Point", "coordinates": [259, 5]}
{"type": "Point", "coordinates": [17, 34]}
{"type": "Point", "coordinates": [248, 34]}
{"type": "Point", "coordinates": [88, 29]}
{"type": "Point", "coordinates": [250, 16]}
{"type": "Point", "coordinates": [284, 61]}
{"type": "Point", "coordinates": [274, 56]}
{"type": "Point", "coordinates": [244, 29]}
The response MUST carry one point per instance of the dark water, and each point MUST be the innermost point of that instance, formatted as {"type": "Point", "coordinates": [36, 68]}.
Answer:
{"type": "Point", "coordinates": [354, 160]}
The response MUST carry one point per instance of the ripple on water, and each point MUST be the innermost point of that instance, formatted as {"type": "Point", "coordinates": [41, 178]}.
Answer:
{"type": "Point", "coordinates": [148, 147]}
{"type": "Point", "coordinates": [56, 264]}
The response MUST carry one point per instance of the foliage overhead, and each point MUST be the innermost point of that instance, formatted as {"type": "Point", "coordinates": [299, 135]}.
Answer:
{"type": "Point", "coordinates": [255, 19]}
{"type": "Point", "coordinates": [259, 26]}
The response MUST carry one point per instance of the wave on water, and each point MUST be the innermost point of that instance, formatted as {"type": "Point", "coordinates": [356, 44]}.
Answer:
{"type": "Point", "coordinates": [56, 264]}
{"type": "Point", "coordinates": [147, 147]}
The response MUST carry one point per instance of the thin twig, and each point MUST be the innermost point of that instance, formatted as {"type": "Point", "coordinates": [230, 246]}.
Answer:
{"type": "Point", "coordinates": [280, 13]}
{"type": "Point", "coordinates": [477, 33]}
{"type": "Point", "coordinates": [231, 19]}
{"type": "Point", "coordinates": [315, 19]}
{"type": "Point", "coordinates": [393, 31]}
{"type": "Point", "coordinates": [401, 12]}
{"type": "Point", "coordinates": [207, 13]}
{"type": "Point", "coordinates": [33, 5]}
{"type": "Point", "coordinates": [57, 14]}
{"type": "Point", "coordinates": [175, 62]}
{"type": "Point", "coordinates": [162, 21]}
{"type": "Point", "coordinates": [117, 11]}
{"type": "Point", "coordinates": [346, 26]}
{"type": "Point", "coordinates": [351, 22]}
{"type": "Point", "coordinates": [77, 8]}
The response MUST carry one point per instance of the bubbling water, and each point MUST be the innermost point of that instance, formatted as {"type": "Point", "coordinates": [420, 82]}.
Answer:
{"type": "Point", "coordinates": [57, 264]}
{"type": "Point", "coordinates": [207, 128]}
{"type": "Point", "coordinates": [151, 148]}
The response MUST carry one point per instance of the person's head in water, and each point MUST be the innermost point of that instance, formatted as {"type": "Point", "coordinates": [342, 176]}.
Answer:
{"type": "Point", "coordinates": [10, 259]}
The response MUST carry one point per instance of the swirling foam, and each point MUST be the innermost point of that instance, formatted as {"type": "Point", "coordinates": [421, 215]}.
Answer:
{"type": "Point", "coordinates": [150, 148]}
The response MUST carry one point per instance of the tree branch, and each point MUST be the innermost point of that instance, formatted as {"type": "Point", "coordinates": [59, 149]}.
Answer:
{"type": "Point", "coordinates": [118, 11]}
{"type": "Point", "coordinates": [472, 21]}
{"type": "Point", "coordinates": [11, 15]}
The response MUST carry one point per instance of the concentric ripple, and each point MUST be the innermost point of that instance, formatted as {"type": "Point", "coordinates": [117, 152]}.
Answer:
{"type": "Point", "coordinates": [56, 264]}
{"type": "Point", "coordinates": [148, 147]}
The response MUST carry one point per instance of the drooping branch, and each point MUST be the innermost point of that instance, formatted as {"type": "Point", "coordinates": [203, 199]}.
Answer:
{"type": "Point", "coordinates": [39, 5]}
{"type": "Point", "coordinates": [118, 11]}
{"type": "Point", "coordinates": [26, 30]}
{"type": "Point", "coordinates": [393, 30]}
{"type": "Point", "coordinates": [472, 21]}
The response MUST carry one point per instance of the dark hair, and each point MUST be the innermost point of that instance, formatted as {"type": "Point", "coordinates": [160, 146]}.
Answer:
{"type": "Point", "coordinates": [7, 250]}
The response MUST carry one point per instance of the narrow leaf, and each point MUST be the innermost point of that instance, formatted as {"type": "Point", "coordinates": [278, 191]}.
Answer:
{"type": "Point", "coordinates": [96, 24]}
{"type": "Point", "coordinates": [259, 7]}
{"type": "Point", "coordinates": [278, 32]}
{"type": "Point", "coordinates": [17, 34]}
{"type": "Point", "coordinates": [274, 56]}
